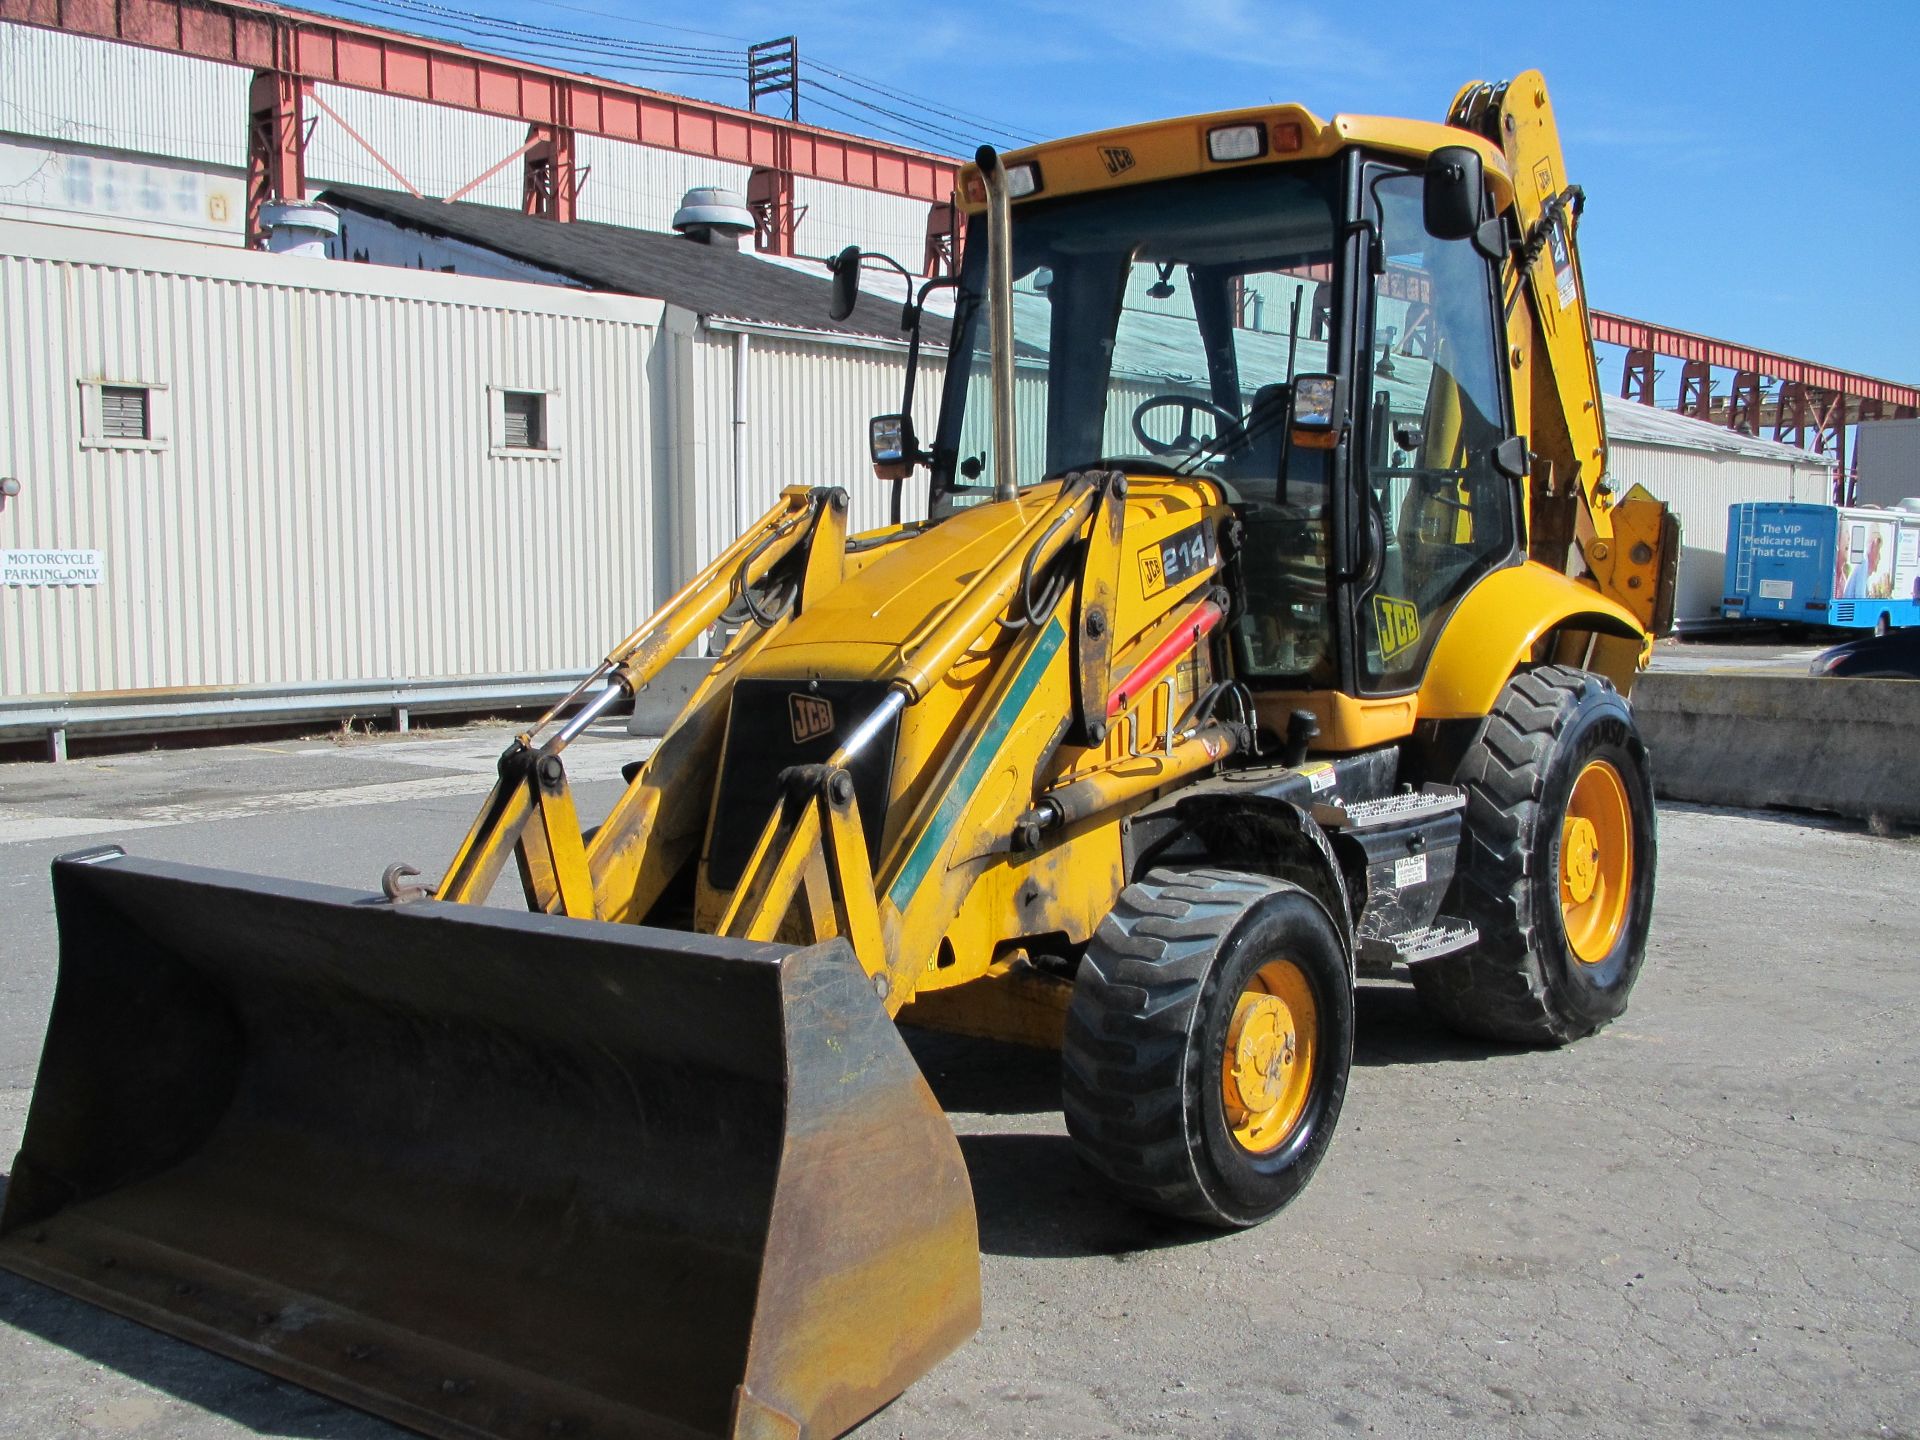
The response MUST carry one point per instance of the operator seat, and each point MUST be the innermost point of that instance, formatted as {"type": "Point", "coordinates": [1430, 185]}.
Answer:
{"type": "Point", "coordinates": [1265, 430]}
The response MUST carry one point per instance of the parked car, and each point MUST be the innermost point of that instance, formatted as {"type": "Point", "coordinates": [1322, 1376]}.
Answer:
{"type": "Point", "coordinates": [1893, 656]}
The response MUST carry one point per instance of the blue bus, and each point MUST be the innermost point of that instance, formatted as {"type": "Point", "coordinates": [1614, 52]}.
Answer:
{"type": "Point", "coordinates": [1849, 568]}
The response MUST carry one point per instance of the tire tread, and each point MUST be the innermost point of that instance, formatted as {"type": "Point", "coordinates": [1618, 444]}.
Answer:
{"type": "Point", "coordinates": [1498, 989]}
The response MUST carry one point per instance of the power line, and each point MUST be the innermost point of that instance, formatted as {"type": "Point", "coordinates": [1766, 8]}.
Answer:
{"type": "Point", "coordinates": [963, 116]}
{"type": "Point", "coordinates": [951, 137]}
{"type": "Point", "coordinates": [637, 64]}
{"type": "Point", "coordinates": [869, 123]}
{"type": "Point", "coordinates": [516, 32]}
{"type": "Point", "coordinates": [571, 46]}
{"type": "Point", "coordinates": [449, 15]}
{"type": "Point", "coordinates": [633, 20]}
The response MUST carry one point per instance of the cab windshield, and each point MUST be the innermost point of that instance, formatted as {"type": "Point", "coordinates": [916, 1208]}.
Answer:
{"type": "Point", "coordinates": [1156, 328]}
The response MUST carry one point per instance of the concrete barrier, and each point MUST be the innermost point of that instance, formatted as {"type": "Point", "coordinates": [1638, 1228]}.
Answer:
{"type": "Point", "coordinates": [1851, 747]}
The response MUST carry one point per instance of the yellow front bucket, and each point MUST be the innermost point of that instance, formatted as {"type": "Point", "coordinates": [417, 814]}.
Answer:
{"type": "Point", "coordinates": [488, 1173]}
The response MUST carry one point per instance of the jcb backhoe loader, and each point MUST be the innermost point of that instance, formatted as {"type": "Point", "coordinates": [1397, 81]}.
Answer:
{"type": "Point", "coordinates": [1268, 626]}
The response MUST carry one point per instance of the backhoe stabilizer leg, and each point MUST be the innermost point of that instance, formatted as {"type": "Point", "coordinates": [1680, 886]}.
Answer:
{"type": "Point", "coordinates": [553, 867]}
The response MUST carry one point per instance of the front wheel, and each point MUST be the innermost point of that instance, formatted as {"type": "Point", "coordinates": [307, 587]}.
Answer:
{"type": "Point", "coordinates": [1556, 868]}
{"type": "Point", "coordinates": [1208, 1044]}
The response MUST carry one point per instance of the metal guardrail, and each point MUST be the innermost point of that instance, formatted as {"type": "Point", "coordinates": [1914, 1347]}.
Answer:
{"type": "Point", "coordinates": [133, 712]}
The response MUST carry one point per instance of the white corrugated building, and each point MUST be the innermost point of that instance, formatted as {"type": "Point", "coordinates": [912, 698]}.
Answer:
{"type": "Point", "coordinates": [1700, 470]}
{"type": "Point", "coordinates": [1887, 455]}
{"type": "Point", "coordinates": [287, 470]}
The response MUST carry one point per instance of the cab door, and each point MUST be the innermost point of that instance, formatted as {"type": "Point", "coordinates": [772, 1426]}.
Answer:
{"type": "Point", "coordinates": [1431, 404]}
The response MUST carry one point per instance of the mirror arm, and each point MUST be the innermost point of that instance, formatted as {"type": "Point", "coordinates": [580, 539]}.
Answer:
{"type": "Point", "coordinates": [910, 318]}
{"type": "Point", "coordinates": [1490, 238]}
{"type": "Point", "coordinates": [1376, 251]}
{"type": "Point", "coordinates": [1512, 458]}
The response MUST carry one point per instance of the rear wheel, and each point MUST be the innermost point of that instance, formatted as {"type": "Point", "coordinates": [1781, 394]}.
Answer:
{"type": "Point", "coordinates": [1208, 1044]}
{"type": "Point", "coordinates": [1557, 864]}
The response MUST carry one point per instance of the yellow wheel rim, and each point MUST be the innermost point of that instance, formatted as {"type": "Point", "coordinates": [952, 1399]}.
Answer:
{"type": "Point", "coordinates": [1596, 862]}
{"type": "Point", "coordinates": [1268, 1069]}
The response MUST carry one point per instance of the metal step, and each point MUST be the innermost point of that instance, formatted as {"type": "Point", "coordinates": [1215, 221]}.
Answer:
{"type": "Point", "coordinates": [1378, 959]}
{"type": "Point", "coordinates": [1390, 810]}
{"type": "Point", "coordinates": [1444, 937]}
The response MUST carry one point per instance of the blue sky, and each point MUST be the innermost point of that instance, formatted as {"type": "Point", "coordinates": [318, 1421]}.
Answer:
{"type": "Point", "coordinates": [1750, 167]}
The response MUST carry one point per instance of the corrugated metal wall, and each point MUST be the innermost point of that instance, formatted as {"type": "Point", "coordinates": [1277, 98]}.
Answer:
{"type": "Point", "coordinates": [1699, 487]}
{"type": "Point", "coordinates": [807, 406]}
{"type": "Point", "coordinates": [325, 506]}
{"type": "Point", "coordinates": [93, 92]}
{"type": "Point", "coordinates": [1888, 456]}
{"type": "Point", "coordinates": [438, 150]}
{"type": "Point", "coordinates": [640, 186]}
{"type": "Point", "coordinates": [838, 215]}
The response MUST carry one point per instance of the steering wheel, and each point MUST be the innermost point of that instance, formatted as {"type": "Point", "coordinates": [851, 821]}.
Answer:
{"type": "Point", "coordinates": [1186, 442]}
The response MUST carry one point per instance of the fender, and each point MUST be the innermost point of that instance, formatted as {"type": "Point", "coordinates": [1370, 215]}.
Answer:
{"type": "Point", "coordinates": [1494, 629]}
{"type": "Point", "coordinates": [1270, 836]}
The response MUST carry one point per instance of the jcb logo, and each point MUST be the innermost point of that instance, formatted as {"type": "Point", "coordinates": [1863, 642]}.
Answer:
{"type": "Point", "coordinates": [1397, 624]}
{"type": "Point", "coordinates": [1118, 158]}
{"type": "Point", "coordinates": [812, 717]}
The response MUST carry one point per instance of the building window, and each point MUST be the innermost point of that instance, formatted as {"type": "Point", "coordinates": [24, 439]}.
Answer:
{"type": "Point", "coordinates": [123, 415]}
{"type": "Point", "coordinates": [522, 423]}
{"type": "Point", "coordinates": [526, 420]}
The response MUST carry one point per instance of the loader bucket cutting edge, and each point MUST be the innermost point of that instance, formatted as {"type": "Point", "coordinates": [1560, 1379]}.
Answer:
{"type": "Point", "coordinates": [490, 1174]}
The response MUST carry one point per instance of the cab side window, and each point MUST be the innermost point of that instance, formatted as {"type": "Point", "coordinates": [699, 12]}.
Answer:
{"type": "Point", "coordinates": [1436, 408]}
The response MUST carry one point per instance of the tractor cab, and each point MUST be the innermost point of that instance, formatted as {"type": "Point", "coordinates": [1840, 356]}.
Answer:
{"type": "Point", "coordinates": [1279, 317]}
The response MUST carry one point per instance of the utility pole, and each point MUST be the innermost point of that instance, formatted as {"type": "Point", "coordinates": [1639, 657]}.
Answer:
{"type": "Point", "coordinates": [773, 68]}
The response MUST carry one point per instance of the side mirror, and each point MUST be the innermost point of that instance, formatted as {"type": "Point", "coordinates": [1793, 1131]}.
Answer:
{"type": "Point", "coordinates": [1450, 200]}
{"type": "Point", "coordinates": [846, 282]}
{"type": "Point", "coordinates": [892, 446]}
{"type": "Point", "coordinates": [1316, 412]}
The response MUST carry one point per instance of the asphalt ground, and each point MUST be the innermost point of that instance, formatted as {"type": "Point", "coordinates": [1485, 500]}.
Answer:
{"type": "Point", "coordinates": [1771, 652]}
{"type": "Point", "coordinates": [1700, 1222]}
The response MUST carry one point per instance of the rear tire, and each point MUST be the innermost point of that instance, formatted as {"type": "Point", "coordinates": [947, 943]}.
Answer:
{"type": "Point", "coordinates": [1208, 1044]}
{"type": "Point", "coordinates": [1556, 868]}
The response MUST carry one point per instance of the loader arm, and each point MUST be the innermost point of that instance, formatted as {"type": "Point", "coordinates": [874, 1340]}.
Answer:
{"type": "Point", "coordinates": [811, 857]}
{"type": "Point", "coordinates": [1625, 546]}
{"type": "Point", "coordinates": [530, 814]}
{"type": "Point", "coordinates": [1041, 611]}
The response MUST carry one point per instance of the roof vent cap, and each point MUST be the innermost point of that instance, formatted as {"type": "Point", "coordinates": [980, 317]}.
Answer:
{"type": "Point", "coordinates": [713, 216]}
{"type": "Point", "coordinates": [299, 227]}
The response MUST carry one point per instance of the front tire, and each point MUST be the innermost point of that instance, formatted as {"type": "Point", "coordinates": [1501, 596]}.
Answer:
{"type": "Point", "coordinates": [1556, 868]}
{"type": "Point", "coordinates": [1208, 1044]}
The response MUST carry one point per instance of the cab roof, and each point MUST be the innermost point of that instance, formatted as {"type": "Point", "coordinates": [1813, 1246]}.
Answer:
{"type": "Point", "coordinates": [1167, 149]}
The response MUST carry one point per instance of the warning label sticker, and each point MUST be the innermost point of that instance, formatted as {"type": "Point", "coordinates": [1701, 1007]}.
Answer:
{"type": "Point", "coordinates": [1563, 276]}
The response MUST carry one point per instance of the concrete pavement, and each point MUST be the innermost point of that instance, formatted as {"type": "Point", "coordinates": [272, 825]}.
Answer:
{"type": "Point", "coordinates": [1699, 1222]}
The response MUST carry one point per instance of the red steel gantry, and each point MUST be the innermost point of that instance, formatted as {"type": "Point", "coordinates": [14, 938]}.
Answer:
{"type": "Point", "coordinates": [292, 50]}
{"type": "Point", "coordinates": [1811, 407]}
